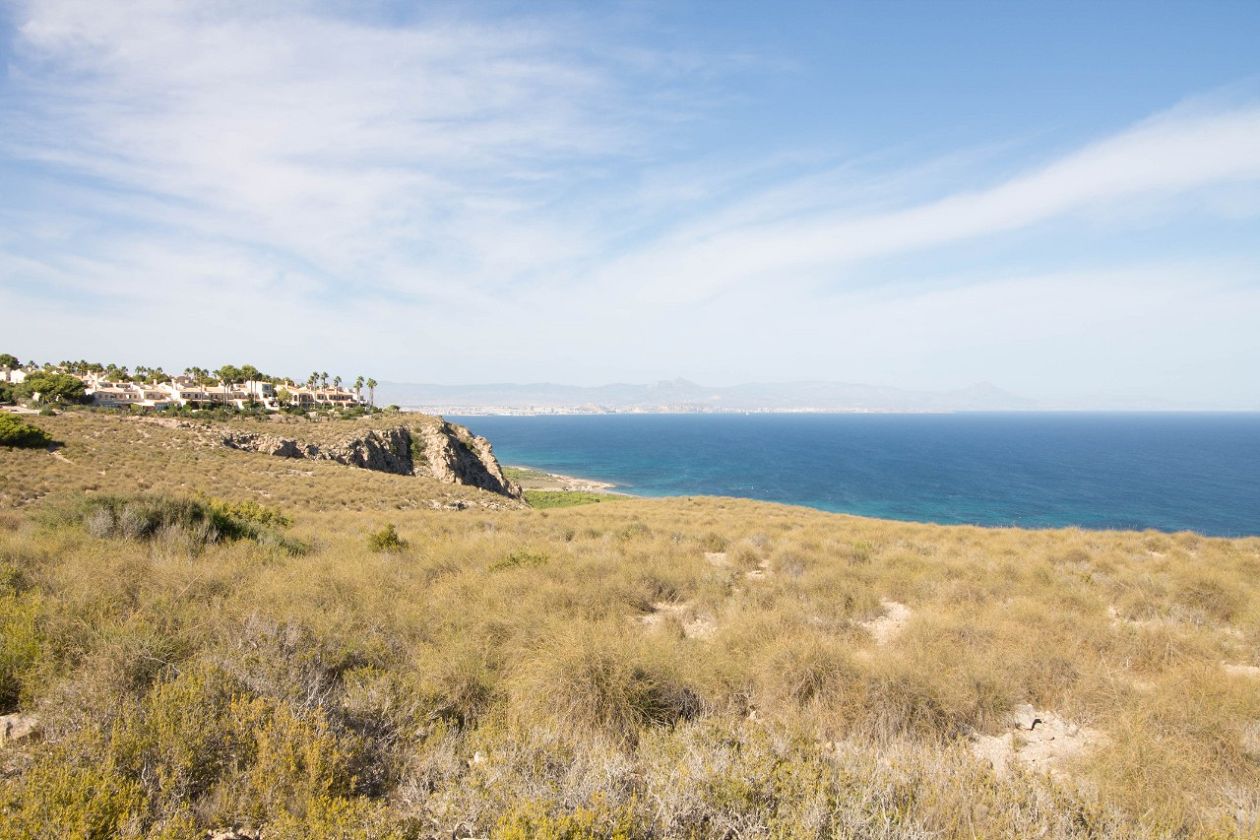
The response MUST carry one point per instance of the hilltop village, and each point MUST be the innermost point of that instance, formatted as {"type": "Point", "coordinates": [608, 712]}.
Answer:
{"type": "Point", "coordinates": [240, 388]}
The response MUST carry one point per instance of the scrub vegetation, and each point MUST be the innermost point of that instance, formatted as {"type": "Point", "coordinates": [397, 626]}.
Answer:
{"type": "Point", "coordinates": [706, 668]}
{"type": "Point", "coordinates": [14, 432]}
{"type": "Point", "coordinates": [541, 499]}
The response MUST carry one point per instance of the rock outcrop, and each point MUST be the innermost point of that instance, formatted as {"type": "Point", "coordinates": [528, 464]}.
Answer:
{"type": "Point", "coordinates": [18, 727]}
{"type": "Point", "coordinates": [235, 833]}
{"type": "Point", "coordinates": [455, 455]}
{"type": "Point", "coordinates": [444, 451]}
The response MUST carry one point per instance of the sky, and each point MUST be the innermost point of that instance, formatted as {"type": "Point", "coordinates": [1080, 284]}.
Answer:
{"type": "Point", "coordinates": [1060, 199]}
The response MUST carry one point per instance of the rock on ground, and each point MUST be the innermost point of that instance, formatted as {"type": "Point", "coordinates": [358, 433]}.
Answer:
{"type": "Point", "coordinates": [18, 727]}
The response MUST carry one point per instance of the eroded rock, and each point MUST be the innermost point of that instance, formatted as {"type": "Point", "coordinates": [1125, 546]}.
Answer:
{"type": "Point", "coordinates": [18, 727]}
{"type": "Point", "coordinates": [444, 451]}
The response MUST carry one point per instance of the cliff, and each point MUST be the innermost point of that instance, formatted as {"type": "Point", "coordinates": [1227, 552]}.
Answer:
{"type": "Point", "coordinates": [445, 451]}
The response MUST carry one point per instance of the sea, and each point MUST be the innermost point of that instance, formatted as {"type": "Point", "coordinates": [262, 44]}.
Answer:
{"type": "Point", "coordinates": [1169, 472]}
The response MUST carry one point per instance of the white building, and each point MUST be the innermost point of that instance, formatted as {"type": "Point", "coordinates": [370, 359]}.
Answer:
{"type": "Point", "coordinates": [184, 391]}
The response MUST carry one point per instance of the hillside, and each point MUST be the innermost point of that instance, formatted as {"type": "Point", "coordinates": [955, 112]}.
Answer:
{"type": "Point", "coordinates": [296, 462]}
{"type": "Point", "coordinates": [268, 658]}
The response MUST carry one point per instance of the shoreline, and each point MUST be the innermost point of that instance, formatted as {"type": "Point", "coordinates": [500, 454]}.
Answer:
{"type": "Point", "coordinates": [534, 478]}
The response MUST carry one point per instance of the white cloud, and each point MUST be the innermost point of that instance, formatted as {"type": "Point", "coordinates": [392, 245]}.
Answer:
{"type": "Point", "coordinates": [333, 142]}
{"type": "Point", "coordinates": [1168, 155]}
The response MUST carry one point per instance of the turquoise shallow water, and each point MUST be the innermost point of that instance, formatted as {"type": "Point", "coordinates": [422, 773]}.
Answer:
{"type": "Point", "coordinates": [1171, 472]}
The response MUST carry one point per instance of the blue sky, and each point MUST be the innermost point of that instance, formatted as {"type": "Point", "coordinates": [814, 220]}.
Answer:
{"type": "Point", "coordinates": [1061, 199]}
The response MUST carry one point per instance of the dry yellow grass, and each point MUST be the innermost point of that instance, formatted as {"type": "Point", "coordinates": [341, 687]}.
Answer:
{"type": "Point", "coordinates": [495, 676]}
{"type": "Point", "coordinates": [109, 453]}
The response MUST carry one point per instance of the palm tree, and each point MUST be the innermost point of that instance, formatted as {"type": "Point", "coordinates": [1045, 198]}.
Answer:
{"type": "Point", "coordinates": [371, 383]}
{"type": "Point", "coordinates": [323, 380]}
{"type": "Point", "coordinates": [337, 382]}
{"type": "Point", "coordinates": [358, 388]}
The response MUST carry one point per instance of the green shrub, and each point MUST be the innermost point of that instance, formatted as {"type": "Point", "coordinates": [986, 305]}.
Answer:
{"type": "Point", "coordinates": [418, 458]}
{"type": "Point", "coordinates": [534, 821]}
{"type": "Point", "coordinates": [60, 799]}
{"type": "Point", "coordinates": [20, 644]}
{"type": "Point", "coordinates": [542, 499]}
{"type": "Point", "coordinates": [386, 539]}
{"type": "Point", "coordinates": [145, 517]}
{"type": "Point", "coordinates": [197, 521]}
{"type": "Point", "coordinates": [519, 560]}
{"type": "Point", "coordinates": [197, 741]}
{"type": "Point", "coordinates": [251, 512]}
{"type": "Point", "coordinates": [13, 432]}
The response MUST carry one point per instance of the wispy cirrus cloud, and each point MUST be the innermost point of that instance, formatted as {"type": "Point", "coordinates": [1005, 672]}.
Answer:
{"type": "Point", "coordinates": [1169, 155]}
{"type": "Point", "coordinates": [329, 142]}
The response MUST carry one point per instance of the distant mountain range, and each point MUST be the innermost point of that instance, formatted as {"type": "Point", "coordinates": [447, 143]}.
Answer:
{"type": "Point", "coordinates": [681, 395]}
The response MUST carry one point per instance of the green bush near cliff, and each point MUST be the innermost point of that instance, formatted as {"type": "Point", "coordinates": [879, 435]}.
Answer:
{"type": "Point", "coordinates": [562, 498]}
{"type": "Point", "coordinates": [14, 432]}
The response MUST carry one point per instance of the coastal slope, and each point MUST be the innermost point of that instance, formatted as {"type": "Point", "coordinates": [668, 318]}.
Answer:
{"type": "Point", "coordinates": [200, 639]}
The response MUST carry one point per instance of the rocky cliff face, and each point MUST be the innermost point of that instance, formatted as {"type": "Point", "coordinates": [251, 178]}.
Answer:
{"type": "Point", "coordinates": [455, 455]}
{"type": "Point", "coordinates": [447, 452]}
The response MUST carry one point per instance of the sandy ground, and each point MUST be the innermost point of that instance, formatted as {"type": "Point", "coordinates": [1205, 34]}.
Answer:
{"type": "Point", "coordinates": [1039, 739]}
{"type": "Point", "coordinates": [694, 626]}
{"type": "Point", "coordinates": [1252, 671]}
{"type": "Point", "coordinates": [532, 479]}
{"type": "Point", "coordinates": [889, 625]}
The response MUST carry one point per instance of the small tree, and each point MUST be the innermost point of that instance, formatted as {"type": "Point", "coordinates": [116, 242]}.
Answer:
{"type": "Point", "coordinates": [8, 361]}
{"type": "Point", "coordinates": [13, 432]}
{"type": "Point", "coordinates": [53, 388]}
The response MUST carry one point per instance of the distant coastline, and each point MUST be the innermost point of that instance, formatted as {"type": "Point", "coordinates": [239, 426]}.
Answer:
{"type": "Point", "coordinates": [680, 396]}
{"type": "Point", "coordinates": [558, 411]}
{"type": "Point", "coordinates": [468, 411]}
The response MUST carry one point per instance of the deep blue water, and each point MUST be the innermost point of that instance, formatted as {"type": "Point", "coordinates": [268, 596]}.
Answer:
{"type": "Point", "coordinates": [1198, 472]}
